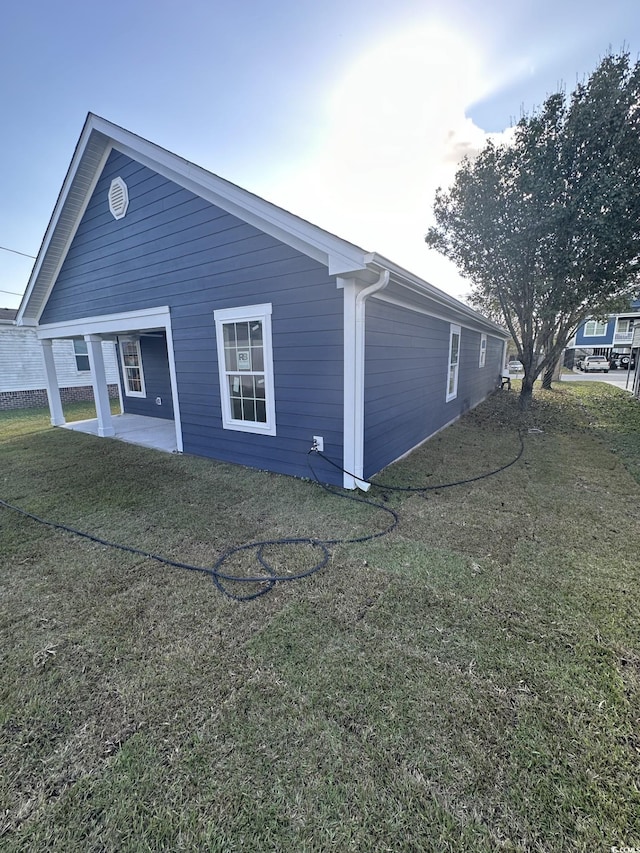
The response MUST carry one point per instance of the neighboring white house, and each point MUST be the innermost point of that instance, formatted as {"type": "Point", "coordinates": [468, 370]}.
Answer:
{"type": "Point", "coordinates": [22, 372]}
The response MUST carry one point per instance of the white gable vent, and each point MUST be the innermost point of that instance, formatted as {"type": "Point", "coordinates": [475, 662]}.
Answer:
{"type": "Point", "coordinates": [118, 198]}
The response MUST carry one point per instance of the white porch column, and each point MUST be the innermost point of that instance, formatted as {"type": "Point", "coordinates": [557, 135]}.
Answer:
{"type": "Point", "coordinates": [99, 382]}
{"type": "Point", "coordinates": [51, 378]}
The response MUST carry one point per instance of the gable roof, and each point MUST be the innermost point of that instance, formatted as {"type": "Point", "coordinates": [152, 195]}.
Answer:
{"type": "Point", "coordinates": [99, 137]}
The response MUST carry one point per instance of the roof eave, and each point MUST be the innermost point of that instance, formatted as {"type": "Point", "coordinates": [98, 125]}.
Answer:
{"type": "Point", "coordinates": [99, 137]}
{"type": "Point", "coordinates": [413, 282]}
{"type": "Point", "coordinates": [96, 140]}
{"type": "Point", "coordinates": [50, 255]}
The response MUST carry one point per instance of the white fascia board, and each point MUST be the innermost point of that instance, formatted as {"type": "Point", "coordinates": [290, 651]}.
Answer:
{"type": "Point", "coordinates": [55, 216]}
{"type": "Point", "coordinates": [418, 285]}
{"type": "Point", "coordinates": [72, 232]}
{"type": "Point", "coordinates": [108, 324]}
{"type": "Point", "coordinates": [338, 255]}
{"type": "Point", "coordinates": [429, 312]}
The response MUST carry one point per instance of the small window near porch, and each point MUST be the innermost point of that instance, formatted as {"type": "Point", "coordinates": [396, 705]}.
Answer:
{"type": "Point", "coordinates": [454, 361]}
{"type": "Point", "coordinates": [245, 365]}
{"type": "Point", "coordinates": [483, 351]}
{"type": "Point", "coordinates": [81, 354]}
{"type": "Point", "coordinates": [133, 375]}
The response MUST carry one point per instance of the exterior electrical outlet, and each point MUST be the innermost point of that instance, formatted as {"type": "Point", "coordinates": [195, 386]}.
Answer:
{"type": "Point", "coordinates": [318, 443]}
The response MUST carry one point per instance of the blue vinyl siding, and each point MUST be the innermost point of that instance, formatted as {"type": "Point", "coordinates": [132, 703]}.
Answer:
{"type": "Point", "coordinates": [406, 379]}
{"type": "Point", "coordinates": [157, 381]}
{"type": "Point", "coordinates": [583, 340]}
{"type": "Point", "coordinates": [174, 248]}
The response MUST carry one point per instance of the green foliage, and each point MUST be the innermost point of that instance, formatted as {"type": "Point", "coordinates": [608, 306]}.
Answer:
{"type": "Point", "coordinates": [546, 227]}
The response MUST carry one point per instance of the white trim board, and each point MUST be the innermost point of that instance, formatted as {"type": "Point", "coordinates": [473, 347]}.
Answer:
{"type": "Point", "coordinates": [107, 324]}
{"type": "Point", "coordinates": [337, 254]}
{"type": "Point", "coordinates": [400, 303]}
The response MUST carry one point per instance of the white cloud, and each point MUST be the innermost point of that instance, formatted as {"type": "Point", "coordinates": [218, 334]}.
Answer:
{"type": "Point", "coordinates": [396, 130]}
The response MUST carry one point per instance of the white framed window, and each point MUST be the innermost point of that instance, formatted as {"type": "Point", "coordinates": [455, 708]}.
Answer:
{"type": "Point", "coordinates": [132, 372]}
{"type": "Point", "coordinates": [454, 361]}
{"type": "Point", "coordinates": [245, 366]}
{"type": "Point", "coordinates": [483, 351]}
{"type": "Point", "coordinates": [594, 328]}
{"type": "Point", "coordinates": [82, 355]}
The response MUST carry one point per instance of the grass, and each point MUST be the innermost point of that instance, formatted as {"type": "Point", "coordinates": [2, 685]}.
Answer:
{"type": "Point", "coordinates": [469, 682]}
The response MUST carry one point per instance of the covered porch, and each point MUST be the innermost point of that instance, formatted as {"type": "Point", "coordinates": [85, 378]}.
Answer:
{"type": "Point", "coordinates": [148, 382]}
{"type": "Point", "coordinates": [157, 433]}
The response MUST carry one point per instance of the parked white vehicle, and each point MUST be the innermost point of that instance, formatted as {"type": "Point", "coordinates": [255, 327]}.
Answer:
{"type": "Point", "coordinates": [595, 362]}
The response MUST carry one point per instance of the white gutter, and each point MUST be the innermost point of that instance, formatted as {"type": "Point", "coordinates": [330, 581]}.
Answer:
{"type": "Point", "coordinates": [354, 389]}
{"type": "Point", "coordinates": [413, 283]}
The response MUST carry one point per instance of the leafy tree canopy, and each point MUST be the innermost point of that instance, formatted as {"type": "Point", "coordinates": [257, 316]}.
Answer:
{"type": "Point", "coordinates": [547, 228]}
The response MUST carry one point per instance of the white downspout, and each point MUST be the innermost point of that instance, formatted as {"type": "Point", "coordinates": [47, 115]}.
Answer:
{"type": "Point", "coordinates": [358, 390]}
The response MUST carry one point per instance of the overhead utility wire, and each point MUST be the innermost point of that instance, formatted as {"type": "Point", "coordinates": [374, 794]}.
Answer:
{"type": "Point", "coordinates": [16, 252]}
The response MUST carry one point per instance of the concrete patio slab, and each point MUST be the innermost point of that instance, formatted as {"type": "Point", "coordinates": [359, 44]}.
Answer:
{"type": "Point", "coordinates": [157, 433]}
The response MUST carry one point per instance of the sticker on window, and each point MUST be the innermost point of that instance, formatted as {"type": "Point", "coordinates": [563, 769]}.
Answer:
{"type": "Point", "coordinates": [244, 359]}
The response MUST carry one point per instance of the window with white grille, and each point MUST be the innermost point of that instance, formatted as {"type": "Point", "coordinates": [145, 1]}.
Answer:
{"type": "Point", "coordinates": [245, 364]}
{"type": "Point", "coordinates": [454, 361]}
{"type": "Point", "coordinates": [132, 373]}
{"type": "Point", "coordinates": [595, 328]}
{"type": "Point", "coordinates": [82, 355]}
{"type": "Point", "coordinates": [483, 351]}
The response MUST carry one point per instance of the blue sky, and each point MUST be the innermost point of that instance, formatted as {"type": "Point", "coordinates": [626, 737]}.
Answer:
{"type": "Point", "coordinates": [346, 112]}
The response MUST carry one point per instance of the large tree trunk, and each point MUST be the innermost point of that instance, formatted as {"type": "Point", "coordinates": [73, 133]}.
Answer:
{"type": "Point", "coordinates": [551, 374]}
{"type": "Point", "coordinates": [547, 377]}
{"type": "Point", "coordinates": [526, 392]}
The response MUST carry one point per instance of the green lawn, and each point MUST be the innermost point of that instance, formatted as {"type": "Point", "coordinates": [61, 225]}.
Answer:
{"type": "Point", "coordinates": [470, 682]}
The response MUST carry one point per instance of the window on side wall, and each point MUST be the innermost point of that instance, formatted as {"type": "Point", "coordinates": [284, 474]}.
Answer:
{"type": "Point", "coordinates": [454, 361]}
{"type": "Point", "coordinates": [483, 351]}
{"type": "Point", "coordinates": [82, 355]}
{"type": "Point", "coordinates": [132, 372]}
{"type": "Point", "coordinates": [595, 328]}
{"type": "Point", "coordinates": [245, 365]}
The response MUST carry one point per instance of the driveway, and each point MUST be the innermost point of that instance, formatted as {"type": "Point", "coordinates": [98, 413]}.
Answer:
{"type": "Point", "coordinates": [613, 377]}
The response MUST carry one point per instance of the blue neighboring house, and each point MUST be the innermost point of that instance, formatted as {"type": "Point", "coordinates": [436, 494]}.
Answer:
{"type": "Point", "coordinates": [608, 337]}
{"type": "Point", "coordinates": [252, 330]}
